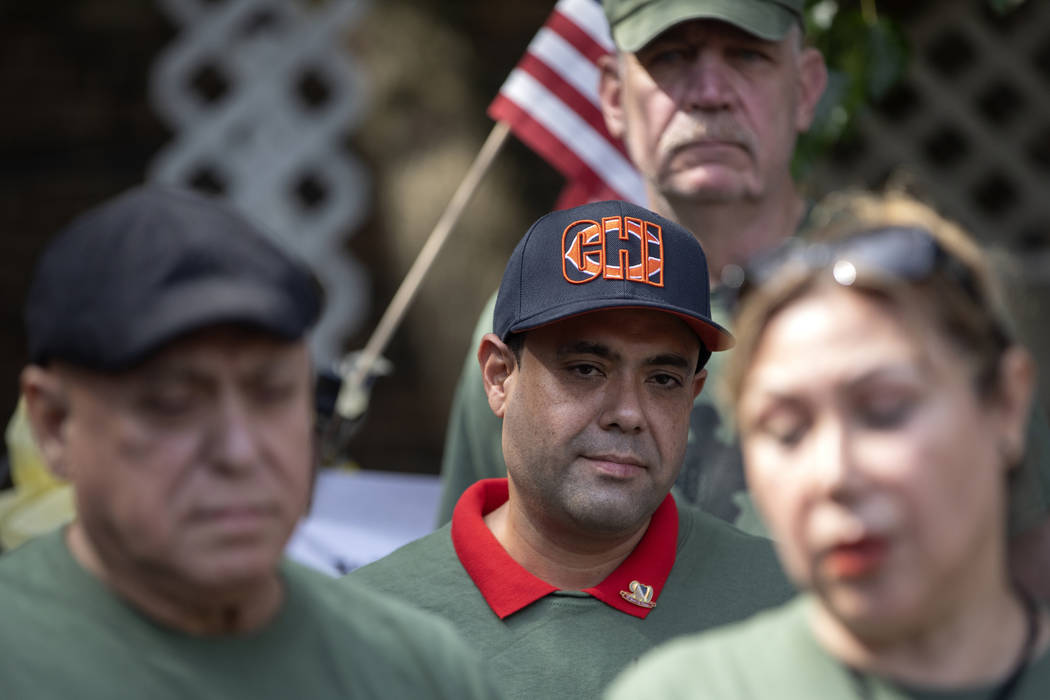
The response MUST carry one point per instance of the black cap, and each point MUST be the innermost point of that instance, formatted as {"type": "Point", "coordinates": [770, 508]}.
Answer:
{"type": "Point", "coordinates": [606, 255]}
{"type": "Point", "coordinates": [151, 265]}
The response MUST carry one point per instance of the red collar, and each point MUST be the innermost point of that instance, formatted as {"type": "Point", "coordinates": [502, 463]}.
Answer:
{"type": "Point", "coordinates": [508, 587]}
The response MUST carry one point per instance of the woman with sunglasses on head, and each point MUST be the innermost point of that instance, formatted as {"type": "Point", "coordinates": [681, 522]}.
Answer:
{"type": "Point", "coordinates": [881, 405]}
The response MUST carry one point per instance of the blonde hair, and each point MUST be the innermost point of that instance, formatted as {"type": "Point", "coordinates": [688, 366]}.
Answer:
{"type": "Point", "coordinates": [972, 319]}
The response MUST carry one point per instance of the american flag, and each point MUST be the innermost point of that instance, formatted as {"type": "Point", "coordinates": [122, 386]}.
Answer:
{"type": "Point", "coordinates": [550, 102]}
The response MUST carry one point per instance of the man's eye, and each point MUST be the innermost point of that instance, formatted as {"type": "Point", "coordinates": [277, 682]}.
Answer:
{"type": "Point", "coordinates": [666, 56]}
{"type": "Point", "coordinates": [748, 54]}
{"type": "Point", "coordinates": [167, 405]}
{"type": "Point", "coordinates": [274, 391]}
{"type": "Point", "coordinates": [670, 55]}
{"type": "Point", "coordinates": [585, 370]}
{"type": "Point", "coordinates": [666, 380]}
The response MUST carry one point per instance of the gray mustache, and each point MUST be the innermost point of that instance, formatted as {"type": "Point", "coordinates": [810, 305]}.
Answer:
{"type": "Point", "coordinates": [693, 131]}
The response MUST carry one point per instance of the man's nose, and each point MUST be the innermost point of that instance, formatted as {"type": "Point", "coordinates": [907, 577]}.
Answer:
{"type": "Point", "coordinates": [707, 85]}
{"type": "Point", "coordinates": [623, 409]}
{"type": "Point", "coordinates": [235, 438]}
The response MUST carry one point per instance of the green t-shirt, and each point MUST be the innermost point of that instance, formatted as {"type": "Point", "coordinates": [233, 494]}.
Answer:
{"type": "Point", "coordinates": [775, 655]}
{"type": "Point", "coordinates": [568, 644]}
{"type": "Point", "coordinates": [64, 635]}
{"type": "Point", "coordinates": [712, 475]}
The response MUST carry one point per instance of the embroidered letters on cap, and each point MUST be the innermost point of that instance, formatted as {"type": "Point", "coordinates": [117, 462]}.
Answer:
{"type": "Point", "coordinates": [620, 247]}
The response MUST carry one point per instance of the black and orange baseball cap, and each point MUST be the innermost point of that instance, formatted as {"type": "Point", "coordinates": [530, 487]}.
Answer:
{"type": "Point", "coordinates": [606, 255]}
{"type": "Point", "coordinates": [153, 264]}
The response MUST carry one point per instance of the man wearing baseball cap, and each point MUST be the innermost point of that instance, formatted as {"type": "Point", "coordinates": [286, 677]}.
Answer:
{"type": "Point", "coordinates": [170, 383]}
{"type": "Point", "coordinates": [565, 571]}
{"type": "Point", "coordinates": [708, 97]}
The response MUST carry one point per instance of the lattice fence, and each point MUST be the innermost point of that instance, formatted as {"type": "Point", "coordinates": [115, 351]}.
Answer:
{"type": "Point", "coordinates": [970, 122]}
{"type": "Point", "coordinates": [261, 95]}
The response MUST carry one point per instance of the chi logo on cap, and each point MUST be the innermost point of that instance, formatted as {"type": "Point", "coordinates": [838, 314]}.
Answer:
{"type": "Point", "coordinates": [606, 255]}
{"type": "Point", "coordinates": [618, 248]}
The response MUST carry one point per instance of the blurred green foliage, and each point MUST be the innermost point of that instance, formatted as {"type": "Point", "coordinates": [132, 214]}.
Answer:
{"type": "Point", "coordinates": [866, 54]}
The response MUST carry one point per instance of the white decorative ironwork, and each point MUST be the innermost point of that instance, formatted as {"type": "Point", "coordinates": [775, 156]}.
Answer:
{"type": "Point", "coordinates": [260, 95]}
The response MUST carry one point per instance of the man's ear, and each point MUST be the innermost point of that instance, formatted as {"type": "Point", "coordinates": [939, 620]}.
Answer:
{"type": "Point", "coordinates": [498, 369]}
{"type": "Point", "coordinates": [699, 379]}
{"type": "Point", "coordinates": [812, 79]}
{"type": "Point", "coordinates": [47, 409]}
{"type": "Point", "coordinates": [610, 94]}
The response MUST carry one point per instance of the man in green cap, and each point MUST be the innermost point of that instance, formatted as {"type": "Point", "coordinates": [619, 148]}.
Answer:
{"type": "Point", "coordinates": [708, 97]}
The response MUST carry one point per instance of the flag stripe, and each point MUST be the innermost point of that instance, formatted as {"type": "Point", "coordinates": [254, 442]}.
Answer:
{"type": "Point", "coordinates": [603, 159]}
{"type": "Point", "coordinates": [584, 43]}
{"type": "Point", "coordinates": [551, 102]}
{"type": "Point", "coordinates": [590, 113]}
{"type": "Point", "coordinates": [541, 140]}
{"type": "Point", "coordinates": [588, 16]}
{"type": "Point", "coordinates": [550, 48]}
{"type": "Point", "coordinates": [544, 75]}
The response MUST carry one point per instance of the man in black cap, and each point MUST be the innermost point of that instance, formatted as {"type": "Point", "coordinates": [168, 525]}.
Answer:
{"type": "Point", "coordinates": [568, 569]}
{"type": "Point", "coordinates": [171, 384]}
{"type": "Point", "coordinates": [708, 97]}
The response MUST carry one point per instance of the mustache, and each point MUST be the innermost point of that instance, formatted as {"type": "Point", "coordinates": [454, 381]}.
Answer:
{"type": "Point", "coordinates": [718, 128]}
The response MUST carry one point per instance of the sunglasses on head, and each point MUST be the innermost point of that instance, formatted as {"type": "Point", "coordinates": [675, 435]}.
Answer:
{"type": "Point", "coordinates": [907, 253]}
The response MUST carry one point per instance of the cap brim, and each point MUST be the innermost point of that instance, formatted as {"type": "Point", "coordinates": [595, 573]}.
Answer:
{"type": "Point", "coordinates": [765, 20]}
{"type": "Point", "coordinates": [712, 335]}
{"type": "Point", "coordinates": [201, 306]}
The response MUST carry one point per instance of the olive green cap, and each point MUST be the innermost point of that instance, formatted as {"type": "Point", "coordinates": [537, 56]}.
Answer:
{"type": "Point", "coordinates": [635, 23]}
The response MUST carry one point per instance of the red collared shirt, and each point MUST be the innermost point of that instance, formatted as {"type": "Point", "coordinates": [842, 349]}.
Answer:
{"type": "Point", "coordinates": [508, 587]}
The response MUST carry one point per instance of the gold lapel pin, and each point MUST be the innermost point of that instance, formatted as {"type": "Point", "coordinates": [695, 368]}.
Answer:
{"type": "Point", "coordinates": [640, 595]}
